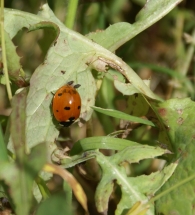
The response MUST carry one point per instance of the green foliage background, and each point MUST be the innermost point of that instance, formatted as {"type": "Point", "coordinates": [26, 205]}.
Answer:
{"type": "Point", "coordinates": [106, 47]}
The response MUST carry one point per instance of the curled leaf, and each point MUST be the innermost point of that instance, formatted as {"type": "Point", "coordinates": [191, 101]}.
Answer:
{"type": "Point", "coordinates": [68, 177]}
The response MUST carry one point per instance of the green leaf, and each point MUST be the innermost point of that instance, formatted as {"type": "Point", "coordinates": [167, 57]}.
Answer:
{"type": "Point", "coordinates": [125, 88]}
{"type": "Point", "coordinates": [149, 184]}
{"type": "Point", "coordinates": [20, 178]}
{"type": "Point", "coordinates": [68, 59]}
{"type": "Point", "coordinates": [101, 143]}
{"type": "Point", "coordinates": [54, 205]}
{"type": "Point", "coordinates": [58, 68]}
{"type": "Point", "coordinates": [121, 115]}
{"type": "Point", "coordinates": [118, 34]}
{"type": "Point", "coordinates": [137, 105]}
{"type": "Point", "coordinates": [18, 124]}
{"type": "Point", "coordinates": [3, 150]}
{"type": "Point", "coordinates": [84, 149]}
{"type": "Point", "coordinates": [13, 62]}
{"type": "Point", "coordinates": [37, 159]}
{"type": "Point", "coordinates": [128, 88]}
{"type": "Point", "coordinates": [133, 154]}
{"type": "Point", "coordinates": [20, 189]}
{"type": "Point", "coordinates": [133, 189]}
{"type": "Point", "coordinates": [26, 167]}
{"type": "Point", "coordinates": [178, 117]}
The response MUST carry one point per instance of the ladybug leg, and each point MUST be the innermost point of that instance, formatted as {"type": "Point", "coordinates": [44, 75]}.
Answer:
{"type": "Point", "coordinates": [70, 82]}
{"type": "Point", "coordinates": [77, 86]}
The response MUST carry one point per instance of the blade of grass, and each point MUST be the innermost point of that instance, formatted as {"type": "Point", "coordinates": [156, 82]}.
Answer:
{"type": "Point", "coordinates": [3, 150]}
{"type": "Point", "coordinates": [103, 142]}
{"type": "Point", "coordinates": [121, 115]}
{"type": "Point", "coordinates": [70, 18]}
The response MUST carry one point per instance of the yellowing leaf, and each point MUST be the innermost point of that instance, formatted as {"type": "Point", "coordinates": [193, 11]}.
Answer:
{"type": "Point", "coordinates": [69, 178]}
{"type": "Point", "coordinates": [138, 208]}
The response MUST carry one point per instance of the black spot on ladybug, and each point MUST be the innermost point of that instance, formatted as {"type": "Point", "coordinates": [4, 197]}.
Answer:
{"type": "Point", "coordinates": [63, 72]}
{"type": "Point", "coordinates": [79, 107]}
{"type": "Point", "coordinates": [55, 43]}
{"type": "Point", "coordinates": [67, 108]}
{"type": "Point", "coordinates": [59, 94]}
{"type": "Point", "coordinates": [57, 111]}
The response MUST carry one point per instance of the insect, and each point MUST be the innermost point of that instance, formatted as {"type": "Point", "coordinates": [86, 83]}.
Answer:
{"type": "Point", "coordinates": [66, 104]}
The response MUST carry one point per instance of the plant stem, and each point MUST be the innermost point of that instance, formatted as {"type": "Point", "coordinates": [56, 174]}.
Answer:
{"type": "Point", "coordinates": [70, 18]}
{"type": "Point", "coordinates": [188, 56]}
{"type": "Point", "coordinates": [9, 92]}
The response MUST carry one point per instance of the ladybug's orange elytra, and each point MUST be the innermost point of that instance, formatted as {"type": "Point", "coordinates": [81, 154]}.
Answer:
{"type": "Point", "coordinates": [66, 104]}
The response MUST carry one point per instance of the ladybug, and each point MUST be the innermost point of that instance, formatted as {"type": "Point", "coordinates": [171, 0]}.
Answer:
{"type": "Point", "coordinates": [66, 104]}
